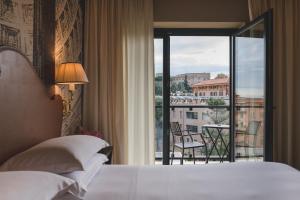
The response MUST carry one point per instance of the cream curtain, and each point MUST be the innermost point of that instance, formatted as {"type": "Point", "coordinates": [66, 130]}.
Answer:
{"type": "Point", "coordinates": [119, 100]}
{"type": "Point", "coordinates": [138, 51]}
{"type": "Point", "coordinates": [286, 76]}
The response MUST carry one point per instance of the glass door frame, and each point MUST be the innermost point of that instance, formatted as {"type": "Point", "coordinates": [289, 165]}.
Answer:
{"type": "Point", "coordinates": [267, 18]}
{"type": "Point", "coordinates": [165, 33]}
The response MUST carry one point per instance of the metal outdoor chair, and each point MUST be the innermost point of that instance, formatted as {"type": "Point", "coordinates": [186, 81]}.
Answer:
{"type": "Point", "coordinates": [251, 131]}
{"type": "Point", "coordinates": [183, 144]}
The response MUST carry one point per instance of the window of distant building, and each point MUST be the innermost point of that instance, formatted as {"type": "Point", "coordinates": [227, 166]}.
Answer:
{"type": "Point", "coordinates": [252, 115]}
{"type": "Point", "coordinates": [192, 115]}
{"type": "Point", "coordinates": [241, 125]}
{"type": "Point", "coordinates": [205, 116]}
{"type": "Point", "coordinates": [192, 128]}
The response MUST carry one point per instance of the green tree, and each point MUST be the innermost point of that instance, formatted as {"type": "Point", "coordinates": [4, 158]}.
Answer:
{"type": "Point", "coordinates": [215, 102]}
{"type": "Point", "coordinates": [173, 88]}
{"type": "Point", "coordinates": [181, 87]}
{"type": "Point", "coordinates": [158, 89]}
{"type": "Point", "coordinates": [158, 78]}
{"type": "Point", "coordinates": [186, 85]}
{"type": "Point", "coordinates": [158, 85]}
{"type": "Point", "coordinates": [218, 115]}
{"type": "Point", "coordinates": [158, 108]}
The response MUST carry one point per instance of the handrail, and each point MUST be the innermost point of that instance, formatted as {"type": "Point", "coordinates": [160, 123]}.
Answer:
{"type": "Point", "coordinates": [199, 106]}
{"type": "Point", "coordinates": [194, 106]}
{"type": "Point", "coordinates": [207, 106]}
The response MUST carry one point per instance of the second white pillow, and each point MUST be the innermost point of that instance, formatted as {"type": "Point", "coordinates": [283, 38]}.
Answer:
{"type": "Point", "coordinates": [93, 166]}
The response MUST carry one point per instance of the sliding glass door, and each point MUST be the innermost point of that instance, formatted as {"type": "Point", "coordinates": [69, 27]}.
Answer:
{"type": "Point", "coordinates": [195, 66]}
{"type": "Point", "coordinates": [252, 81]}
{"type": "Point", "coordinates": [199, 92]}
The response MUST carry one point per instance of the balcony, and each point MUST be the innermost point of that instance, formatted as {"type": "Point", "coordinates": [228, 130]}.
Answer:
{"type": "Point", "coordinates": [193, 117]}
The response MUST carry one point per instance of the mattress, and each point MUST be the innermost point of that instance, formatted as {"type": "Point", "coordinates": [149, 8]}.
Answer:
{"type": "Point", "coordinates": [231, 181]}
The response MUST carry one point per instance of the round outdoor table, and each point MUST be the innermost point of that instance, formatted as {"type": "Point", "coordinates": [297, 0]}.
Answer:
{"type": "Point", "coordinates": [220, 130]}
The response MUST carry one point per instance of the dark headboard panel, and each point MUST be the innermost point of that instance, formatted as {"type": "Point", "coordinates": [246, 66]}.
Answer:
{"type": "Point", "coordinates": [27, 114]}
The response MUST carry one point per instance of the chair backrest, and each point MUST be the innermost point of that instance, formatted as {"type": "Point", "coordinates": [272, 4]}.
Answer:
{"type": "Point", "coordinates": [253, 127]}
{"type": "Point", "coordinates": [175, 128]}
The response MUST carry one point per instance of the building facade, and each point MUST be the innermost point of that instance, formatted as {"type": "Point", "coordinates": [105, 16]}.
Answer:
{"type": "Point", "coordinates": [218, 87]}
{"type": "Point", "coordinates": [192, 78]}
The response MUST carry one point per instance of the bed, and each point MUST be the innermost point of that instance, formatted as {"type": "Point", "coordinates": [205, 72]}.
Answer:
{"type": "Point", "coordinates": [232, 181]}
{"type": "Point", "coordinates": [31, 117]}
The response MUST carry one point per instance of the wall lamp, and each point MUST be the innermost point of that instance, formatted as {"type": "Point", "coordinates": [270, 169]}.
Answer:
{"type": "Point", "coordinates": [70, 74]}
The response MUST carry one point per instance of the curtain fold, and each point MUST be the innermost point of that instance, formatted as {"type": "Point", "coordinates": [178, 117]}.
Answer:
{"type": "Point", "coordinates": [138, 48]}
{"type": "Point", "coordinates": [119, 100]}
{"type": "Point", "coordinates": [286, 69]}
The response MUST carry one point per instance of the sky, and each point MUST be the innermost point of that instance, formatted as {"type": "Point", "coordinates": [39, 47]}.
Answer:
{"type": "Point", "coordinates": [250, 67]}
{"type": "Point", "coordinates": [195, 54]}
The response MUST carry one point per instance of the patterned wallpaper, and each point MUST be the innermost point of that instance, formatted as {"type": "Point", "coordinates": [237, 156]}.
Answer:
{"type": "Point", "coordinates": [68, 48]}
{"type": "Point", "coordinates": [16, 25]}
{"type": "Point", "coordinates": [16, 30]}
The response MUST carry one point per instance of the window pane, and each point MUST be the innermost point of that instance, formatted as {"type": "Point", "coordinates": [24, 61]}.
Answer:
{"type": "Point", "coordinates": [158, 58]}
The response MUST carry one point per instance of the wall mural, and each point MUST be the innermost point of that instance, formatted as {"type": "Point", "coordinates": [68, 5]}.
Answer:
{"type": "Point", "coordinates": [16, 25]}
{"type": "Point", "coordinates": [68, 48]}
{"type": "Point", "coordinates": [17, 22]}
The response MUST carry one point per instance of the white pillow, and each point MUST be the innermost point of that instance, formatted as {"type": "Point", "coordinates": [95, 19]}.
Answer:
{"type": "Point", "coordinates": [33, 185]}
{"type": "Point", "coordinates": [83, 178]}
{"type": "Point", "coordinates": [57, 155]}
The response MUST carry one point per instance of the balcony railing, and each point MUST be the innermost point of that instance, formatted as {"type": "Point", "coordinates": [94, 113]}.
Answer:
{"type": "Point", "coordinates": [191, 117]}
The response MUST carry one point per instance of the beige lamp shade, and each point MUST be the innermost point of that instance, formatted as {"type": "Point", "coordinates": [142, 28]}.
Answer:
{"type": "Point", "coordinates": [70, 73]}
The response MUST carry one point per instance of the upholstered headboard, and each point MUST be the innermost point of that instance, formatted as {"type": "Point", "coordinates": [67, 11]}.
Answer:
{"type": "Point", "coordinates": [28, 115]}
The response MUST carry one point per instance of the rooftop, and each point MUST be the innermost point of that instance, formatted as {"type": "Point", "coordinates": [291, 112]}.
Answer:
{"type": "Point", "coordinates": [216, 81]}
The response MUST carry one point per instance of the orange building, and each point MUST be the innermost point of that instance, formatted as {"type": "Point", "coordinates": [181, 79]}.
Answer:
{"type": "Point", "coordinates": [218, 87]}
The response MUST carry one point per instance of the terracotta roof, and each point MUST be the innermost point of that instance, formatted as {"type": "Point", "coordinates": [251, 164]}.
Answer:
{"type": "Point", "coordinates": [217, 81]}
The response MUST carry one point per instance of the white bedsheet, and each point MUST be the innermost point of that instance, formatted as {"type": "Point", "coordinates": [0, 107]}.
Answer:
{"type": "Point", "coordinates": [232, 181]}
